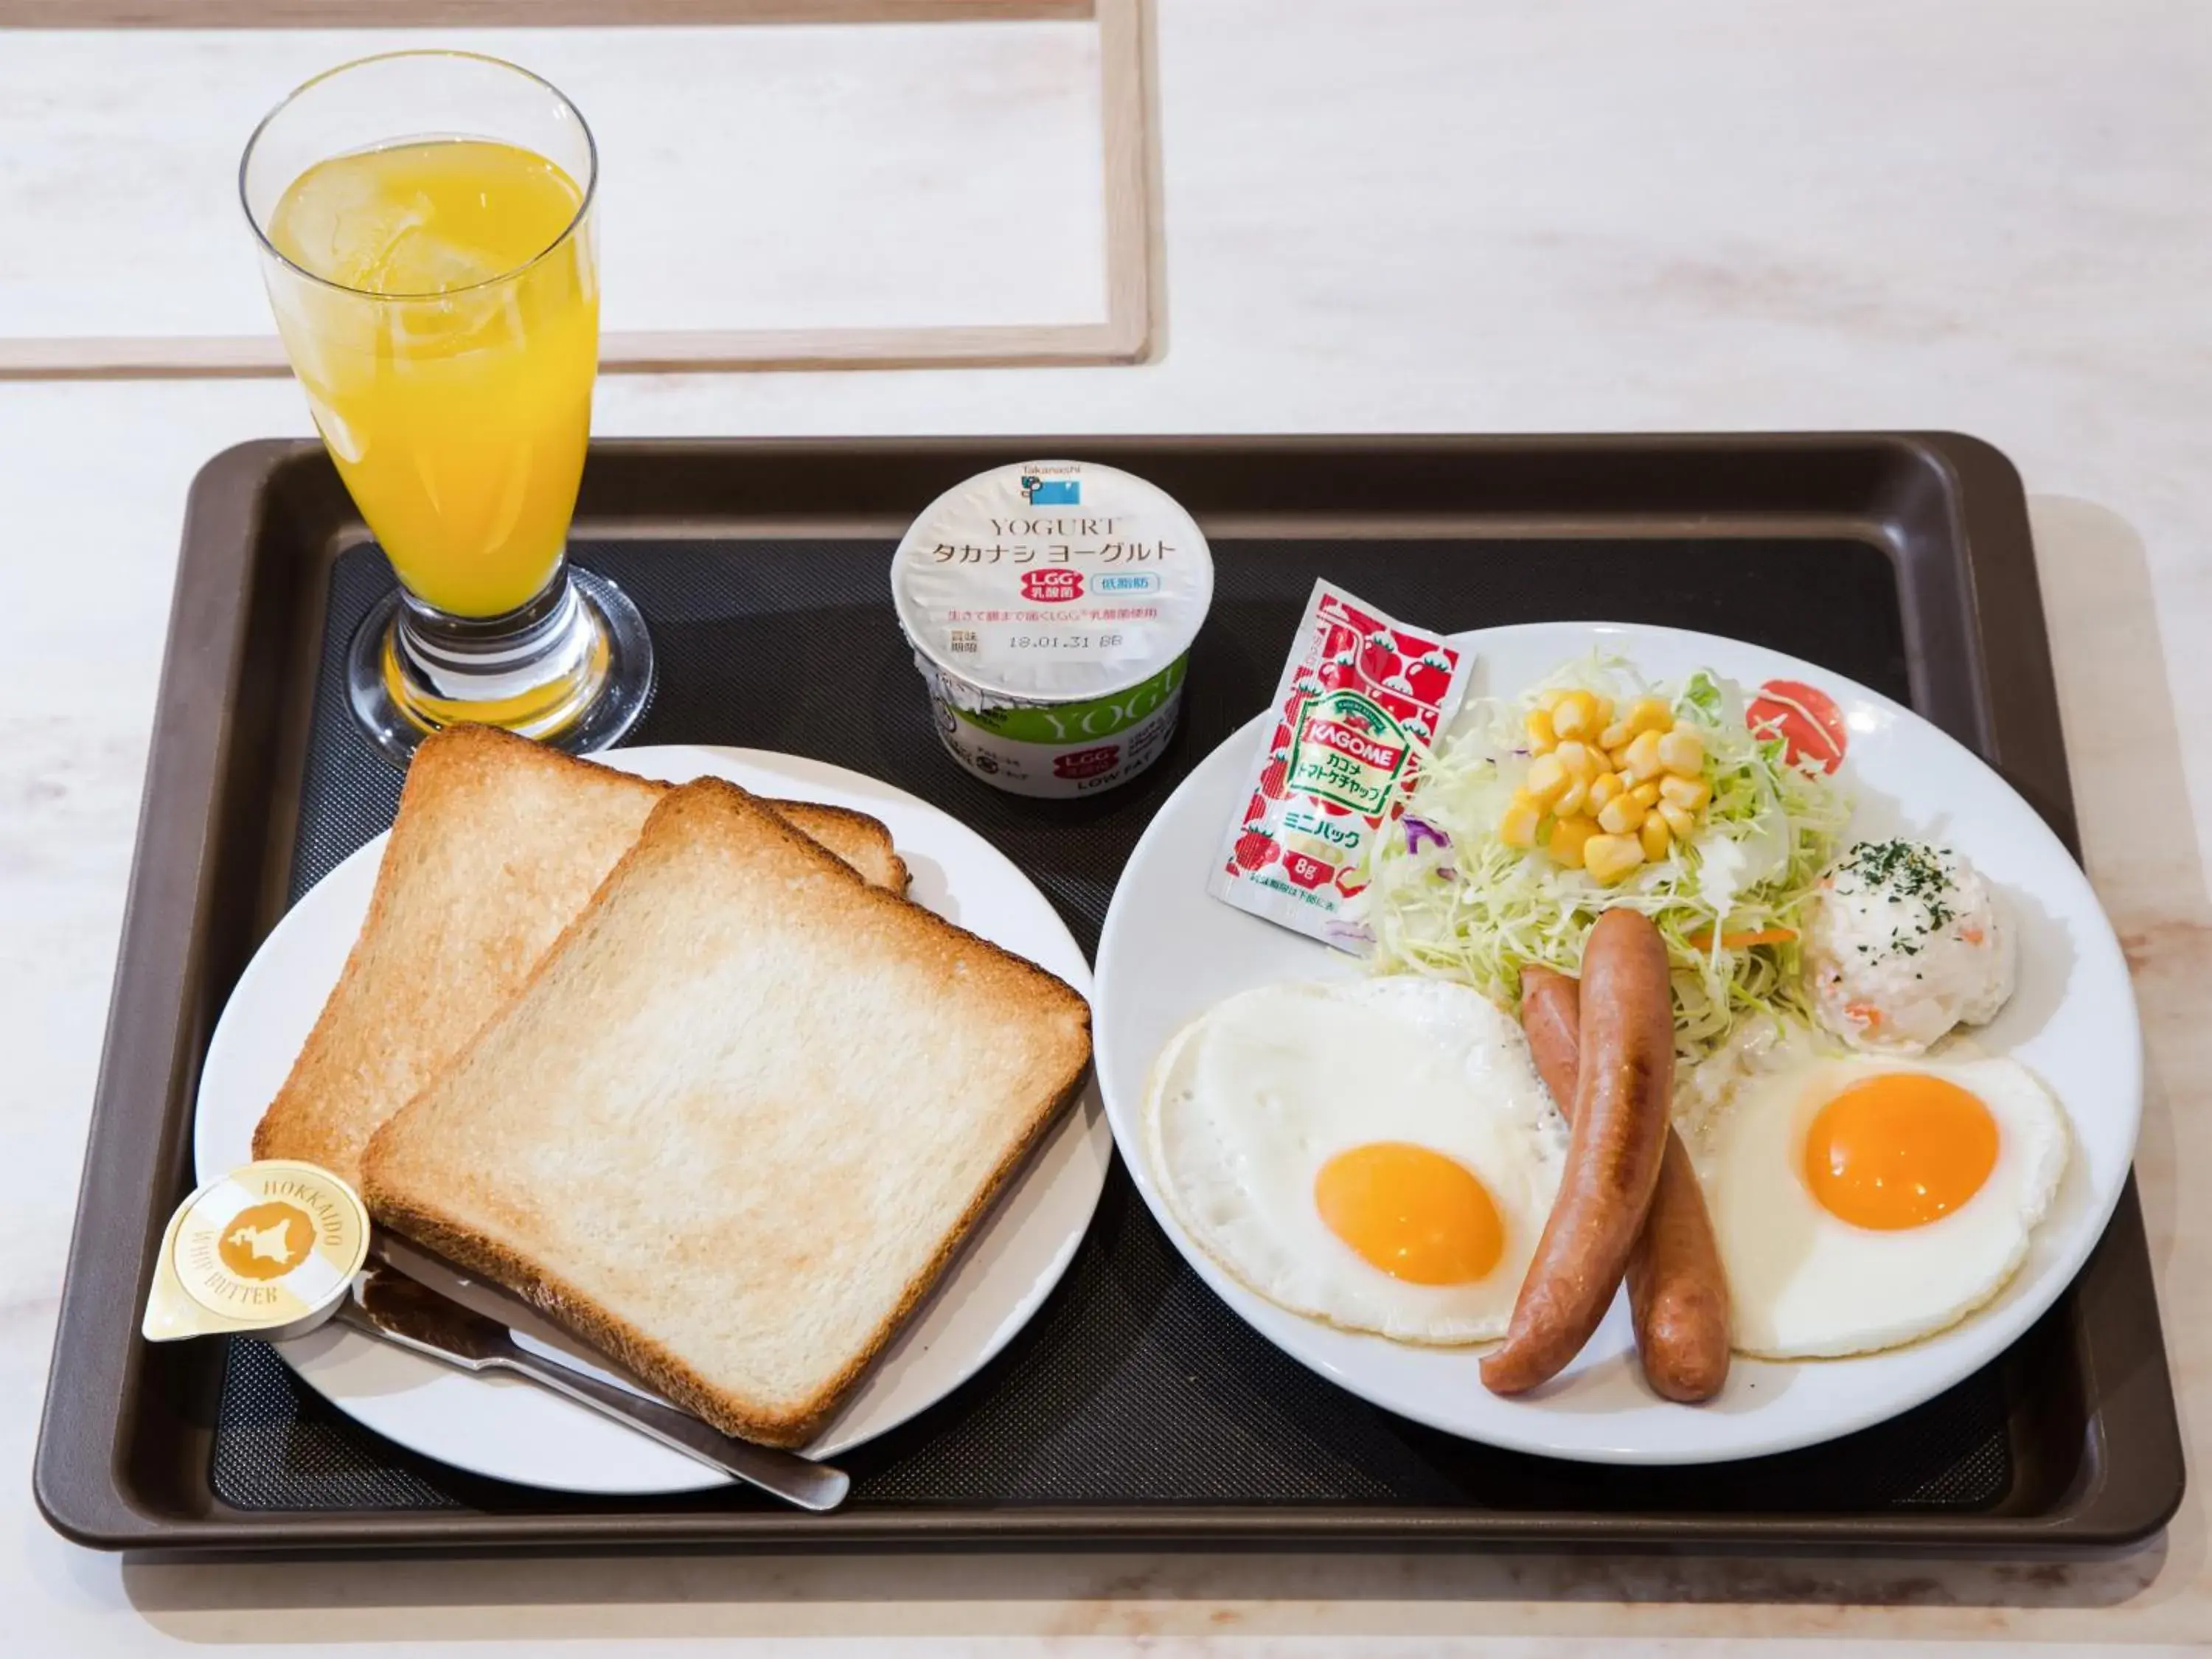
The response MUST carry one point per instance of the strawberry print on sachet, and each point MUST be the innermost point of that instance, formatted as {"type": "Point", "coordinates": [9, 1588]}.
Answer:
{"type": "Point", "coordinates": [1359, 696]}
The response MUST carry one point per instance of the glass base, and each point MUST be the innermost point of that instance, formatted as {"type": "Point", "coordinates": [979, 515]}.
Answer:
{"type": "Point", "coordinates": [572, 668]}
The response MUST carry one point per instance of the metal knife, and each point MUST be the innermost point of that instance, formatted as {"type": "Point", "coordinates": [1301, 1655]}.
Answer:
{"type": "Point", "coordinates": [384, 1304]}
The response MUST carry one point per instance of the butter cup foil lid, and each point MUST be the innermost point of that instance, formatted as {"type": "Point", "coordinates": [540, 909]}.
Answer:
{"type": "Point", "coordinates": [268, 1248]}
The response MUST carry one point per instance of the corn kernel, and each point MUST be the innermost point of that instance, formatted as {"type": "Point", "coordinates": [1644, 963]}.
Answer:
{"type": "Point", "coordinates": [1579, 758]}
{"type": "Point", "coordinates": [1568, 836]}
{"type": "Point", "coordinates": [1574, 799]}
{"type": "Point", "coordinates": [1620, 817]}
{"type": "Point", "coordinates": [1642, 756]}
{"type": "Point", "coordinates": [1616, 736]}
{"type": "Point", "coordinates": [1682, 823]}
{"type": "Point", "coordinates": [1604, 787]}
{"type": "Point", "coordinates": [1541, 735]}
{"type": "Point", "coordinates": [1653, 836]}
{"type": "Point", "coordinates": [1576, 716]}
{"type": "Point", "coordinates": [1646, 794]}
{"type": "Point", "coordinates": [1689, 793]}
{"type": "Point", "coordinates": [1548, 701]}
{"type": "Point", "coordinates": [1517, 827]}
{"type": "Point", "coordinates": [1682, 752]}
{"type": "Point", "coordinates": [1600, 710]}
{"type": "Point", "coordinates": [1609, 858]}
{"type": "Point", "coordinates": [1547, 780]}
{"type": "Point", "coordinates": [1649, 714]}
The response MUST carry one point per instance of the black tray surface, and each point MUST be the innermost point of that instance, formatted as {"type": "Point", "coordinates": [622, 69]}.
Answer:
{"type": "Point", "coordinates": [1134, 1398]}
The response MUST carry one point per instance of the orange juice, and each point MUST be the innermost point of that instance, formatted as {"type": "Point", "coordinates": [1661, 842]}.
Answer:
{"type": "Point", "coordinates": [449, 360]}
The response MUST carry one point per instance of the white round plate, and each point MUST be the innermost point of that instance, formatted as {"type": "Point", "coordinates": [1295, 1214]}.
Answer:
{"type": "Point", "coordinates": [514, 1431]}
{"type": "Point", "coordinates": [1170, 951]}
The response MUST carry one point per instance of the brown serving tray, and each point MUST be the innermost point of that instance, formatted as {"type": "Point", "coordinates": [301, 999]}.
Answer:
{"type": "Point", "coordinates": [1135, 1409]}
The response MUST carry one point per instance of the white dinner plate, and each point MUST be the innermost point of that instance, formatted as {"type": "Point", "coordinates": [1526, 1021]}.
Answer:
{"type": "Point", "coordinates": [1170, 951]}
{"type": "Point", "coordinates": [513, 1430]}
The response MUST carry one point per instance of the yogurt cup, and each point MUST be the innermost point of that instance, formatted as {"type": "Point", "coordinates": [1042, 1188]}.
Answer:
{"type": "Point", "coordinates": [1051, 606]}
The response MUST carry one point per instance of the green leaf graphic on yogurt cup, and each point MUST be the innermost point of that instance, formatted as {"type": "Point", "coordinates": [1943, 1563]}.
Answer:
{"type": "Point", "coordinates": [1080, 722]}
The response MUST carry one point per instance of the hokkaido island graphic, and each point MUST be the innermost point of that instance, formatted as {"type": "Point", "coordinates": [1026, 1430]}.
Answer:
{"type": "Point", "coordinates": [266, 1240]}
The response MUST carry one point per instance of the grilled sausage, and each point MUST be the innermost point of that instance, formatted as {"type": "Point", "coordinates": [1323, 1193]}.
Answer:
{"type": "Point", "coordinates": [1677, 1289]}
{"type": "Point", "coordinates": [1552, 1015]}
{"type": "Point", "coordinates": [1618, 1132]}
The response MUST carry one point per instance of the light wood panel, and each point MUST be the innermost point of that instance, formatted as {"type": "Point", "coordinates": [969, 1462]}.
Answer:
{"type": "Point", "coordinates": [1124, 334]}
{"type": "Point", "coordinates": [508, 14]}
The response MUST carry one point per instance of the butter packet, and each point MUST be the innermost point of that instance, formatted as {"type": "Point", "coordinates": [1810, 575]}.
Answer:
{"type": "Point", "coordinates": [1361, 697]}
{"type": "Point", "coordinates": [269, 1250]}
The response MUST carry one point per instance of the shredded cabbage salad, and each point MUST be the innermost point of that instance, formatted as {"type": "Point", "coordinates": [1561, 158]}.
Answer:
{"type": "Point", "coordinates": [1450, 899]}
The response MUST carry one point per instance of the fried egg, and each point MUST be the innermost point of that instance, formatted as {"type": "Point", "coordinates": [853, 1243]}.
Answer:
{"type": "Point", "coordinates": [1861, 1204]}
{"type": "Point", "coordinates": [1378, 1154]}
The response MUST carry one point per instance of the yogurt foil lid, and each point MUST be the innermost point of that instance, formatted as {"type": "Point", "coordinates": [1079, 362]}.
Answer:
{"type": "Point", "coordinates": [1052, 582]}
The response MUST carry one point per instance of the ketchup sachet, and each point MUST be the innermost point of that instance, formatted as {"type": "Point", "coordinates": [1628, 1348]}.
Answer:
{"type": "Point", "coordinates": [1360, 695]}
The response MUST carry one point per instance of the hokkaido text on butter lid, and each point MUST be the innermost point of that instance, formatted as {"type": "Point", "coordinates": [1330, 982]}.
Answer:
{"type": "Point", "coordinates": [268, 1248]}
{"type": "Point", "coordinates": [1052, 582]}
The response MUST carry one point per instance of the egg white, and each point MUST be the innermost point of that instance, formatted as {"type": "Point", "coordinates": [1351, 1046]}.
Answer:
{"type": "Point", "coordinates": [1807, 1284]}
{"type": "Point", "coordinates": [1245, 1105]}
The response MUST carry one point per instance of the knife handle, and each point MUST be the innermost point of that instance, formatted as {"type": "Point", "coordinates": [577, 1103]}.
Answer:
{"type": "Point", "coordinates": [794, 1478]}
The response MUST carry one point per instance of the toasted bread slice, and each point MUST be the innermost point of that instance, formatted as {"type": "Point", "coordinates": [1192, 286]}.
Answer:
{"type": "Point", "coordinates": [858, 840]}
{"type": "Point", "coordinates": [740, 1118]}
{"type": "Point", "coordinates": [499, 842]}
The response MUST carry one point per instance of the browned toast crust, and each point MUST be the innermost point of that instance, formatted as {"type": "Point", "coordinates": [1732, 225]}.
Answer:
{"type": "Point", "coordinates": [332, 1099]}
{"type": "Point", "coordinates": [711, 813]}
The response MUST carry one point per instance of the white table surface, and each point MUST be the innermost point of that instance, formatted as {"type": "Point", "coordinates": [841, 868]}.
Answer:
{"type": "Point", "coordinates": [1394, 216]}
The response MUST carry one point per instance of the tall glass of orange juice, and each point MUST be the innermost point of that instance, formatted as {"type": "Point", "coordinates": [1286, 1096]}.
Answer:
{"type": "Point", "coordinates": [425, 225]}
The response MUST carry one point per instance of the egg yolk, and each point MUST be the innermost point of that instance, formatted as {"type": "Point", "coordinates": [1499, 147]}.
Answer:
{"type": "Point", "coordinates": [1414, 1213]}
{"type": "Point", "coordinates": [1899, 1149]}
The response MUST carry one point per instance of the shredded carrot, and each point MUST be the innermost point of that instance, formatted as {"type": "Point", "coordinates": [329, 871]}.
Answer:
{"type": "Point", "coordinates": [1866, 1013]}
{"type": "Point", "coordinates": [1703, 942]}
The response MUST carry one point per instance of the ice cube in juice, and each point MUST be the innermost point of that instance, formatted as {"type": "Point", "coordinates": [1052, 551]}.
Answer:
{"type": "Point", "coordinates": [447, 351]}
